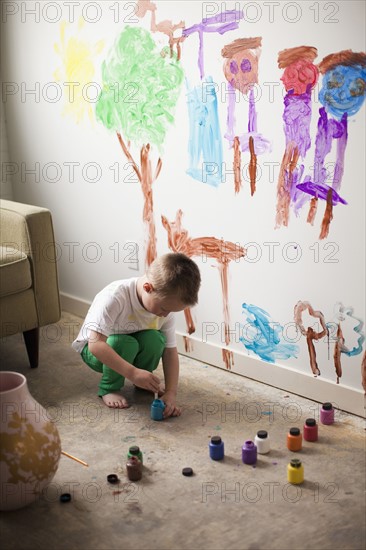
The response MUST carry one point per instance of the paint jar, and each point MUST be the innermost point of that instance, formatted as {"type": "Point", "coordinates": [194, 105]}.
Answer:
{"type": "Point", "coordinates": [327, 413]}
{"type": "Point", "coordinates": [249, 452]}
{"type": "Point", "coordinates": [135, 451]}
{"type": "Point", "coordinates": [157, 409]}
{"type": "Point", "coordinates": [294, 439]}
{"type": "Point", "coordinates": [295, 471]}
{"type": "Point", "coordinates": [310, 430]}
{"type": "Point", "coordinates": [134, 468]}
{"type": "Point", "coordinates": [216, 447]}
{"type": "Point", "coordinates": [262, 442]}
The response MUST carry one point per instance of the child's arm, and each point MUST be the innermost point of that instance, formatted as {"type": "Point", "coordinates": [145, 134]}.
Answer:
{"type": "Point", "coordinates": [98, 346]}
{"type": "Point", "coordinates": [171, 375]}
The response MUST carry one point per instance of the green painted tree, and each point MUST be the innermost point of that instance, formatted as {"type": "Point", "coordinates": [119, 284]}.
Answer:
{"type": "Point", "coordinates": [140, 89]}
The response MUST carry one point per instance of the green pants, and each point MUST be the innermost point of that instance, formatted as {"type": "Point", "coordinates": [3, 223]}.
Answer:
{"type": "Point", "coordinates": [142, 349]}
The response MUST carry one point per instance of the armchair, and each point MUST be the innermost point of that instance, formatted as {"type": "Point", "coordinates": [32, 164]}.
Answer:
{"type": "Point", "coordinates": [29, 293]}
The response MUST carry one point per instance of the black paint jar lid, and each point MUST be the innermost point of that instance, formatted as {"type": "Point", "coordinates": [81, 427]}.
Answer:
{"type": "Point", "coordinates": [262, 434]}
{"type": "Point", "coordinates": [310, 422]}
{"type": "Point", "coordinates": [295, 462]}
{"type": "Point", "coordinates": [187, 472]}
{"type": "Point", "coordinates": [134, 450]}
{"type": "Point", "coordinates": [294, 431]}
{"type": "Point", "coordinates": [65, 497]}
{"type": "Point", "coordinates": [112, 478]}
{"type": "Point", "coordinates": [216, 440]}
{"type": "Point", "coordinates": [327, 406]}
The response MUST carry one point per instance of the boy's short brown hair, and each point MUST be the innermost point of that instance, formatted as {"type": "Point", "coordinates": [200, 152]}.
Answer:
{"type": "Point", "coordinates": [175, 274]}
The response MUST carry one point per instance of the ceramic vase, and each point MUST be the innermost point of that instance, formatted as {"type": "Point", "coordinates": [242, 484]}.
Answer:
{"type": "Point", "coordinates": [30, 444]}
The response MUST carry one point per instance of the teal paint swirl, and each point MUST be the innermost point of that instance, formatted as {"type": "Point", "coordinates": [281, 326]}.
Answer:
{"type": "Point", "coordinates": [265, 337]}
{"type": "Point", "coordinates": [140, 88]}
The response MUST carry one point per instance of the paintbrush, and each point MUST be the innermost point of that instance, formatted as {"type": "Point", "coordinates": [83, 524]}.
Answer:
{"type": "Point", "coordinates": [74, 458]}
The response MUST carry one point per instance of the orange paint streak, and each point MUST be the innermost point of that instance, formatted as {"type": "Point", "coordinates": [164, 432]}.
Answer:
{"type": "Point", "coordinates": [252, 166]}
{"type": "Point", "coordinates": [188, 344]}
{"type": "Point", "coordinates": [328, 216]}
{"type": "Point", "coordinates": [291, 55]}
{"type": "Point", "coordinates": [237, 46]}
{"type": "Point", "coordinates": [189, 321]}
{"type": "Point", "coordinates": [228, 358]}
{"type": "Point", "coordinates": [148, 215]}
{"type": "Point", "coordinates": [337, 352]}
{"type": "Point", "coordinates": [288, 165]}
{"type": "Point", "coordinates": [166, 27]}
{"type": "Point", "coordinates": [237, 164]}
{"type": "Point", "coordinates": [344, 57]}
{"type": "Point", "coordinates": [144, 174]}
{"type": "Point", "coordinates": [222, 251]}
{"type": "Point", "coordinates": [312, 210]}
{"type": "Point", "coordinates": [310, 334]}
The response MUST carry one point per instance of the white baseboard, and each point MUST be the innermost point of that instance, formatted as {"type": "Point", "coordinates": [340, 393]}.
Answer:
{"type": "Point", "coordinates": [285, 378]}
{"type": "Point", "coordinates": [288, 379]}
{"type": "Point", "coordinates": [74, 305]}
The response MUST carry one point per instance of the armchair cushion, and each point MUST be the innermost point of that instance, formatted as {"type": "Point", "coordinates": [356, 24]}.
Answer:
{"type": "Point", "coordinates": [15, 271]}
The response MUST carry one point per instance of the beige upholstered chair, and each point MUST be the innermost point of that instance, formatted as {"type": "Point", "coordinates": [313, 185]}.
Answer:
{"type": "Point", "coordinates": [29, 294]}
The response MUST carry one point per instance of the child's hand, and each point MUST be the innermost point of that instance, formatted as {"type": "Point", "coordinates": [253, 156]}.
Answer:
{"type": "Point", "coordinates": [145, 379]}
{"type": "Point", "coordinates": [171, 408]}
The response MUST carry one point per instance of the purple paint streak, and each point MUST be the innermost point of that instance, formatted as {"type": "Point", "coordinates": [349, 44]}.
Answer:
{"type": "Point", "coordinates": [228, 21]}
{"type": "Point", "coordinates": [261, 144]}
{"type": "Point", "coordinates": [297, 118]}
{"type": "Point", "coordinates": [320, 191]}
{"type": "Point", "coordinates": [230, 114]}
{"type": "Point", "coordinates": [252, 122]}
{"type": "Point", "coordinates": [328, 130]}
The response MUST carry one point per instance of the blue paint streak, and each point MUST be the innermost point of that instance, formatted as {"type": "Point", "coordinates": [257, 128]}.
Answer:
{"type": "Point", "coordinates": [205, 142]}
{"type": "Point", "coordinates": [343, 90]}
{"type": "Point", "coordinates": [265, 340]}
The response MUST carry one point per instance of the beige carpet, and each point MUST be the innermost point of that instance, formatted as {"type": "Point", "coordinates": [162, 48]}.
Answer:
{"type": "Point", "coordinates": [225, 505]}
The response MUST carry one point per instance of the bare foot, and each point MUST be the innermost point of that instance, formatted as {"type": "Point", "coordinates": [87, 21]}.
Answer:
{"type": "Point", "coordinates": [115, 401]}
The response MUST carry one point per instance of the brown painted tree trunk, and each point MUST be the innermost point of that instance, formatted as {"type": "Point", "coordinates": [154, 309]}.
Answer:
{"type": "Point", "coordinates": [146, 179]}
{"type": "Point", "coordinates": [148, 213]}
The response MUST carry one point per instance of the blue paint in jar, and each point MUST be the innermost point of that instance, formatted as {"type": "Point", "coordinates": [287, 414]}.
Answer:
{"type": "Point", "coordinates": [157, 409]}
{"type": "Point", "coordinates": [216, 448]}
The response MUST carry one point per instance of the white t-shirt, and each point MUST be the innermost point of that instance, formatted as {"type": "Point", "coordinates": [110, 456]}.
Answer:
{"type": "Point", "coordinates": [117, 310]}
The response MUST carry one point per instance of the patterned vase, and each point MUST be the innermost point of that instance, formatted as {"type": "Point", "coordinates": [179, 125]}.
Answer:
{"type": "Point", "coordinates": [30, 444]}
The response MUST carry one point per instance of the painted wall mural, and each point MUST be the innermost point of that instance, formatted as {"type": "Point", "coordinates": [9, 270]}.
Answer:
{"type": "Point", "coordinates": [241, 72]}
{"type": "Point", "coordinates": [143, 118]}
{"type": "Point", "coordinates": [206, 247]}
{"type": "Point", "coordinates": [141, 85]}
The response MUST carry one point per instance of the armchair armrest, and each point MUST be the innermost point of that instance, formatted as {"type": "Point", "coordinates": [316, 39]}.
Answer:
{"type": "Point", "coordinates": [30, 230]}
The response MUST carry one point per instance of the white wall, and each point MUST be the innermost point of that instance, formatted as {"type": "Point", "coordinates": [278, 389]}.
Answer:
{"type": "Point", "coordinates": [106, 213]}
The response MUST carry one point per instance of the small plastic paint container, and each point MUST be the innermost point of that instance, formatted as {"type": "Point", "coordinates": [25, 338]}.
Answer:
{"type": "Point", "coordinates": [134, 450]}
{"type": "Point", "coordinates": [157, 409]}
{"type": "Point", "coordinates": [262, 442]}
{"type": "Point", "coordinates": [134, 468]}
{"type": "Point", "coordinates": [295, 472]}
{"type": "Point", "coordinates": [327, 413]}
{"type": "Point", "coordinates": [216, 448]}
{"type": "Point", "coordinates": [249, 452]}
{"type": "Point", "coordinates": [65, 497]}
{"type": "Point", "coordinates": [294, 439]}
{"type": "Point", "coordinates": [310, 430]}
